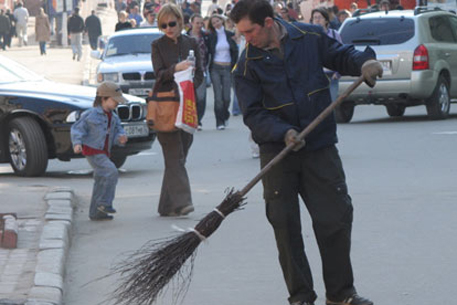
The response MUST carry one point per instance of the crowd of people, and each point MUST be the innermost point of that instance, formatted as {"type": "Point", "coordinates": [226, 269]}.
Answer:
{"type": "Point", "coordinates": [14, 24]}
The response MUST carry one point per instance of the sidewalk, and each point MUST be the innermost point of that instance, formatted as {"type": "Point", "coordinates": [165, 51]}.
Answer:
{"type": "Point", "coordinates": [33, 273]}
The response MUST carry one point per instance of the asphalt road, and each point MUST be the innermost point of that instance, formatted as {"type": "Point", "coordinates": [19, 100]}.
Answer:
{"type": "Point", "coordinates": [401, 175]}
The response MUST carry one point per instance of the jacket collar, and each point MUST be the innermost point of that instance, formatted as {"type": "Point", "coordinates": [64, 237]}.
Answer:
{"type": "Point", "coordinates": [293, 32]}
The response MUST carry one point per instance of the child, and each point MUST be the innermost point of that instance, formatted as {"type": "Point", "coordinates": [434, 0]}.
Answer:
{"type": "Point", "coordinates": [93, 135]}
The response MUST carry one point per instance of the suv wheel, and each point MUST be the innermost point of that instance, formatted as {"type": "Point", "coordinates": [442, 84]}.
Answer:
{"type": "Point", "coordinates": [344, 112]}
{"type": "Point", "coordinates": [28, 152]}
{"type": "Point", "coordinates": [395, 110]}
{"type": "Point", "coordinates": [438, 104]}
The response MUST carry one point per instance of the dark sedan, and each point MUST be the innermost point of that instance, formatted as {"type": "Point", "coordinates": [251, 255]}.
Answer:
{"type": "Point", "coordinates": [36, 116]}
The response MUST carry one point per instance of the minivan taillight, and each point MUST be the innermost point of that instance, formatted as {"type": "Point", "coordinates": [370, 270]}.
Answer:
{"type": "Point", "coordinates": [420, 59]}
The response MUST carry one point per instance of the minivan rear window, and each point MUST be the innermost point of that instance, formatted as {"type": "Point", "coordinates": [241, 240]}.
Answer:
{"type": "Point", "coordinates": [377, 31]}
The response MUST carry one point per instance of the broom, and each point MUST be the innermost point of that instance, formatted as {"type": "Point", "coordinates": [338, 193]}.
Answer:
{"type": "Point", "coordinates": [146, 272]}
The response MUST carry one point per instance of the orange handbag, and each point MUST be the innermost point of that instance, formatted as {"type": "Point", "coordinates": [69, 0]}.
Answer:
{"type": "Point", "coordinates": [163, 108]}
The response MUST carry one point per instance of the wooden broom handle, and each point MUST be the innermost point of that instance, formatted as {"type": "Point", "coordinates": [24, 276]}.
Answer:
{"type": "Point", "coordinates": [326, 112]}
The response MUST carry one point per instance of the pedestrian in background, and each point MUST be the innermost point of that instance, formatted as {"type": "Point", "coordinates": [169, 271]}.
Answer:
{"type": "Point", "coordinates": [197, 31]}
{"type": "Point", "coordinates": [150, 20]}
{"type": "Point", "coordinates": [12, 27]}
{"type": "Point", "coordinates": [4, 29]}
{"type": "Point", "coordinates": [169, 54]}
{"type": "Point", "coordinates": [123, 23]}
{"type": "Point", "coordinates": [135, 15]}
{"type": "Point", "coordinates": [42, 30]}
{"type": "Point", "coordinates": [93, 28]}
{"type": "Point", "coordinates": [93, 135]}
{"type": "Point", "coordinates": [212, 8]}
{"type": "Point", "coordinates": [21, 15]}
{"type": "Point", "coordinates": [320, 17]}
{"type": "Point", "coordinates": [343, 15]}
{"type": "Point", "coordinates": [276, 107]}
{"type": "Point", "coordinates": [75, 28]}
{"type": "Point", "coordinates": [223, 52]}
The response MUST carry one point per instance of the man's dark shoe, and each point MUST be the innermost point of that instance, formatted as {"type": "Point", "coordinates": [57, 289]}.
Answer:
{"type": "Point", "coordinates": [352, 300]}
{"type": "Point", "coordinates": [102, 217]}
{"type": "Point", "coordinates": [302, 303]}
{"type": "Point", "coordinates": [106, 210]}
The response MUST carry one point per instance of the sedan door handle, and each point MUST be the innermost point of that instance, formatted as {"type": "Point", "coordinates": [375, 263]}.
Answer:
{"type": "Point", "coordinates": [447, 54]}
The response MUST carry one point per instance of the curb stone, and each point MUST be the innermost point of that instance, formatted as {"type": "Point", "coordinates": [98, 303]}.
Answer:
{"type": "Point", "coordinates": [53, 248]}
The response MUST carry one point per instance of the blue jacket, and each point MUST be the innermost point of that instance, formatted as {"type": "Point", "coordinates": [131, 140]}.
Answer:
{"type": "Point", "coordinates": [276, 95]}
{"type": "Point", "coordinates": [92, 127]}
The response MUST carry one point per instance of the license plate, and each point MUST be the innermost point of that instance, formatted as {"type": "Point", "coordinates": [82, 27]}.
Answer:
{"type": "Point", "coordinates": [139, 91]}
{"type": "Point", "coordinates": [137, 130]}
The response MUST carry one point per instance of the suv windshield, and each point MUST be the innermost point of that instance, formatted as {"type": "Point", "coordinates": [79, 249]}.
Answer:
{"type": "Point", "coordinates": [132, 44]}
{"type": "Point", "coordinates": [378, 31]}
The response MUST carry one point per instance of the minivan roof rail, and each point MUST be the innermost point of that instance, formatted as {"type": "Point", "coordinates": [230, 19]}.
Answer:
{"type": "Point", "coordinates": [426, 9]}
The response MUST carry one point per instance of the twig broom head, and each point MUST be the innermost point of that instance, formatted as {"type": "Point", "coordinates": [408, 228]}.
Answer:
{"type": "Point", "coordinates": [146, 273]}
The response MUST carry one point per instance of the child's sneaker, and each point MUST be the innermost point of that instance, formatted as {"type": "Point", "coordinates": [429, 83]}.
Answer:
{"type": "Point", "coordinates": [352, 300]}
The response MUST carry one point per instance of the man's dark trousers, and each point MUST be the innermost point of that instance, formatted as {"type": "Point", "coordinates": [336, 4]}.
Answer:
{"type": "Point", "coordinates": [318, 177]}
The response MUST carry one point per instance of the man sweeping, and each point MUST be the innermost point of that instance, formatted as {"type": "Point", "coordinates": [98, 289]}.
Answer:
{"type": "Point", "coordinates": [281, 88]}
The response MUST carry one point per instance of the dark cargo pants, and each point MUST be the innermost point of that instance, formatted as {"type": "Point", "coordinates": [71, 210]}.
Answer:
{"type": "Point", "coordinates": [318, 178]}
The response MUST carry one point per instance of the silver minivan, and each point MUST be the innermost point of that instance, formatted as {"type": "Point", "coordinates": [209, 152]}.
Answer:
{"type": "Point", "coordinates": [418, 51]}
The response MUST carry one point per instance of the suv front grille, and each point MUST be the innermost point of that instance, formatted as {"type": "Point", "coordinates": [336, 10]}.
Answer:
{"type": "Point", "coordinates": [149, 75]}
{"type": "Point", "coordinates": [135, 76]}
{"type": "Point", "coordinates": [131, 76]}
{"type": "Point", "coordinates": [130, 112]}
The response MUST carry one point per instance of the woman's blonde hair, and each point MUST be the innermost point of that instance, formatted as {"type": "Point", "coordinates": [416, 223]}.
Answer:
{"type": "Point", "coordinates": [170, 9]}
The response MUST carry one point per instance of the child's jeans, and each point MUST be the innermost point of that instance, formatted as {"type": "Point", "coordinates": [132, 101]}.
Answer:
{"type": "Point", "coordinates": [105, 180]}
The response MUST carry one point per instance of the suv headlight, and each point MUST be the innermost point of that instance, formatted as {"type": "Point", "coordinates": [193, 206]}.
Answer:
{"type": "Point", "coordinates": [73, 116]}
{"type": "Point", "coordinates": [112, 77]}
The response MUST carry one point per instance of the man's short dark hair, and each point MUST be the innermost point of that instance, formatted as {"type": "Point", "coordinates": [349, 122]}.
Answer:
{"type": "Point", "coordinates": [256, 10]}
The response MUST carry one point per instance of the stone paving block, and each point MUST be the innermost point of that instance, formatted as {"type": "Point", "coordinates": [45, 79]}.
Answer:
{"type": "Point", "coordinates": [60, 203]}
{"type": "Point", "coordinates": [52, 244]}
{"type": "Point", "coordinates": [62, 189]}
{"type": "Point", "coordinates": [48, 280]}
{"type": "Point", "coordinates": [9, 278]}
{"type": "Point", "coordinates": [54, 209]}
{"type": "Point", "coordinates": [59, 195]}
{"type": "Point", "coordinates": [52, 216]}
{"type": "Point", "coordinates": [6, 288]}
{"type": "Point", "coordinates": [51, 261]}
{"type": "Point", "coordinates": [55, 230]}
{"type": "Point", "coordinates": [38, 302]}
{"type": "Point", "coordinates": [12, 302]}
{"type": "Point", "coordinates": [13, 268]}
{"type": "Point", "coordinates": [49, 294]}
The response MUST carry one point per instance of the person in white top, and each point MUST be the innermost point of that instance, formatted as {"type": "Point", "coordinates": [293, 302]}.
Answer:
{"type": "Point", "coordinates": [22, 16]}
{"type": "Point", "coordinates": [150, 20]}
{"type": "Point", "coordinates": [223, 52]}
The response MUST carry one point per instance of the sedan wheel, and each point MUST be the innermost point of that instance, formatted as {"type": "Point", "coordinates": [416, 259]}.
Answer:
{"type": "Point", "coordinates": [27, 147]}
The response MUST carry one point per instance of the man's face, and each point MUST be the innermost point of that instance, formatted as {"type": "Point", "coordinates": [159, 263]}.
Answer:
{"type": "Point", "coordinates": [255, 34]}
